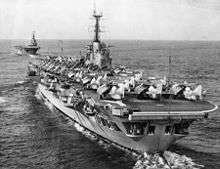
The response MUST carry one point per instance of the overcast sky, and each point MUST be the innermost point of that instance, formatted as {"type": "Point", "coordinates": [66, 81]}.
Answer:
{"type": "Point", "coordinates": [123, 19]}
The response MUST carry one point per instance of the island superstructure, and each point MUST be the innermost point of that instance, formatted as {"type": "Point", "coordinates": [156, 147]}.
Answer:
{"type": "Point", "coordinates": [30, 49]}
{"type": "Point", "coordinates": [116, 103]}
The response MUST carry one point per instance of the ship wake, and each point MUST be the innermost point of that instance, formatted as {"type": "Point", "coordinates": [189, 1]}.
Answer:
{"type": "Point", "coordinates": [2, 100]}
{"type": "Point", "coordinates": [20, 82]}
{"type": "Point", "coordinates": [168, 160]}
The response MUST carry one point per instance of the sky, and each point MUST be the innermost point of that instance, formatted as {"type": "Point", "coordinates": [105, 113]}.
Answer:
{"type": "Point", "coordinates": [122, 19]}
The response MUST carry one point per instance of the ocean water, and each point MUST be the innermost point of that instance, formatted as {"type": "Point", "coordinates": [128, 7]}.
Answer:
{"type": "Point", "coordinates": [33, 135]}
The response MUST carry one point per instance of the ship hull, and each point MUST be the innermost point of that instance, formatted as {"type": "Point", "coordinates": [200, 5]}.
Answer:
{"type": "Point", "coordinates": [31, 51]}
{"type": "Point", "coordinates": [22, 50]}
{"type": "Point", "coordinates": [149, 143]}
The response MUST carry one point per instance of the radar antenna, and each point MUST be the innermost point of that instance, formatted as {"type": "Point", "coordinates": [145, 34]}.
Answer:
{"type": "Point", "coordinates": [97, 26]}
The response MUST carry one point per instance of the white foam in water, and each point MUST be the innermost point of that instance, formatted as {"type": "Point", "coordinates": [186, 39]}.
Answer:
{"type": "Point", "coordinates": [78, 127]}
{"type": "Point", "coordinates": [181, 161]}
{"type": "Point", "coordinates": [49, 105]}
{"type": "Point", "coordinates": [2, 100]}
{"type": "Point", "coordinates": [37, 95]}
{"type": "Point", "coordinates": [104, 143]}
{"type": "Point", "coordinates": [70, 122]}
{"type": "Point", "coordinates": [20, 82]}
{"type": "Point", "coordinates": [173, 161]}
{"type": "Point", "coordinates": [88, 134]}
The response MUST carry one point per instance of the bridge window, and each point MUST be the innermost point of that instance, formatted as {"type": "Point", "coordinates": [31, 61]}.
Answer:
{"type": "Point", "coordinates": [168, 130]}
{"type": "Point", "coordinates": [151, 130]}
{"type": "Point", "coordinates": [135, 128]}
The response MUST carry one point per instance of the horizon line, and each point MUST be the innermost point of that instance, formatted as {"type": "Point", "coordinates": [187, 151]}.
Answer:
{"type": "Point", "coordinates": [24, 39]}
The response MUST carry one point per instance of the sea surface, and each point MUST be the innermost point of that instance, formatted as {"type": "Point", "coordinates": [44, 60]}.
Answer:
{"type": "Point", "coordinates": [34, 135]}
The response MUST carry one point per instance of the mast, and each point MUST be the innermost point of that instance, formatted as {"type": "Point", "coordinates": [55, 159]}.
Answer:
{"type": "Point", "coordinates": [60, 44]}
{"type": "Point", "coordinates": [97, 26]}
{"type": "Point", "coordinates": [33, 35]}
{"type": "Point", "coordinates": [169, 83]}
{"type": "Point", "coordinates": [99, 53]}
{"type": "Point", "coordinates": [33, 40]}
{"type": "Point", "coordinates": [169, 69]}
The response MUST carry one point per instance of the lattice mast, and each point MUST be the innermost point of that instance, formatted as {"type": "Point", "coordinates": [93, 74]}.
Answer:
{"type": "Point", "coordinates": [97, 29]}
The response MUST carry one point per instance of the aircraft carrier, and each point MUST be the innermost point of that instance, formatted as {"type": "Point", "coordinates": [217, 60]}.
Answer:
{"type": "Point", "coordinates": [30, 49]}
{"type": "Point", "coordinates": [115, 102]}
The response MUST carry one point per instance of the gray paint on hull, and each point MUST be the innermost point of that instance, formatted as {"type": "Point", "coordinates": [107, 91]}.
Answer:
{"type": "Point", "coordinates": [148, 143]}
